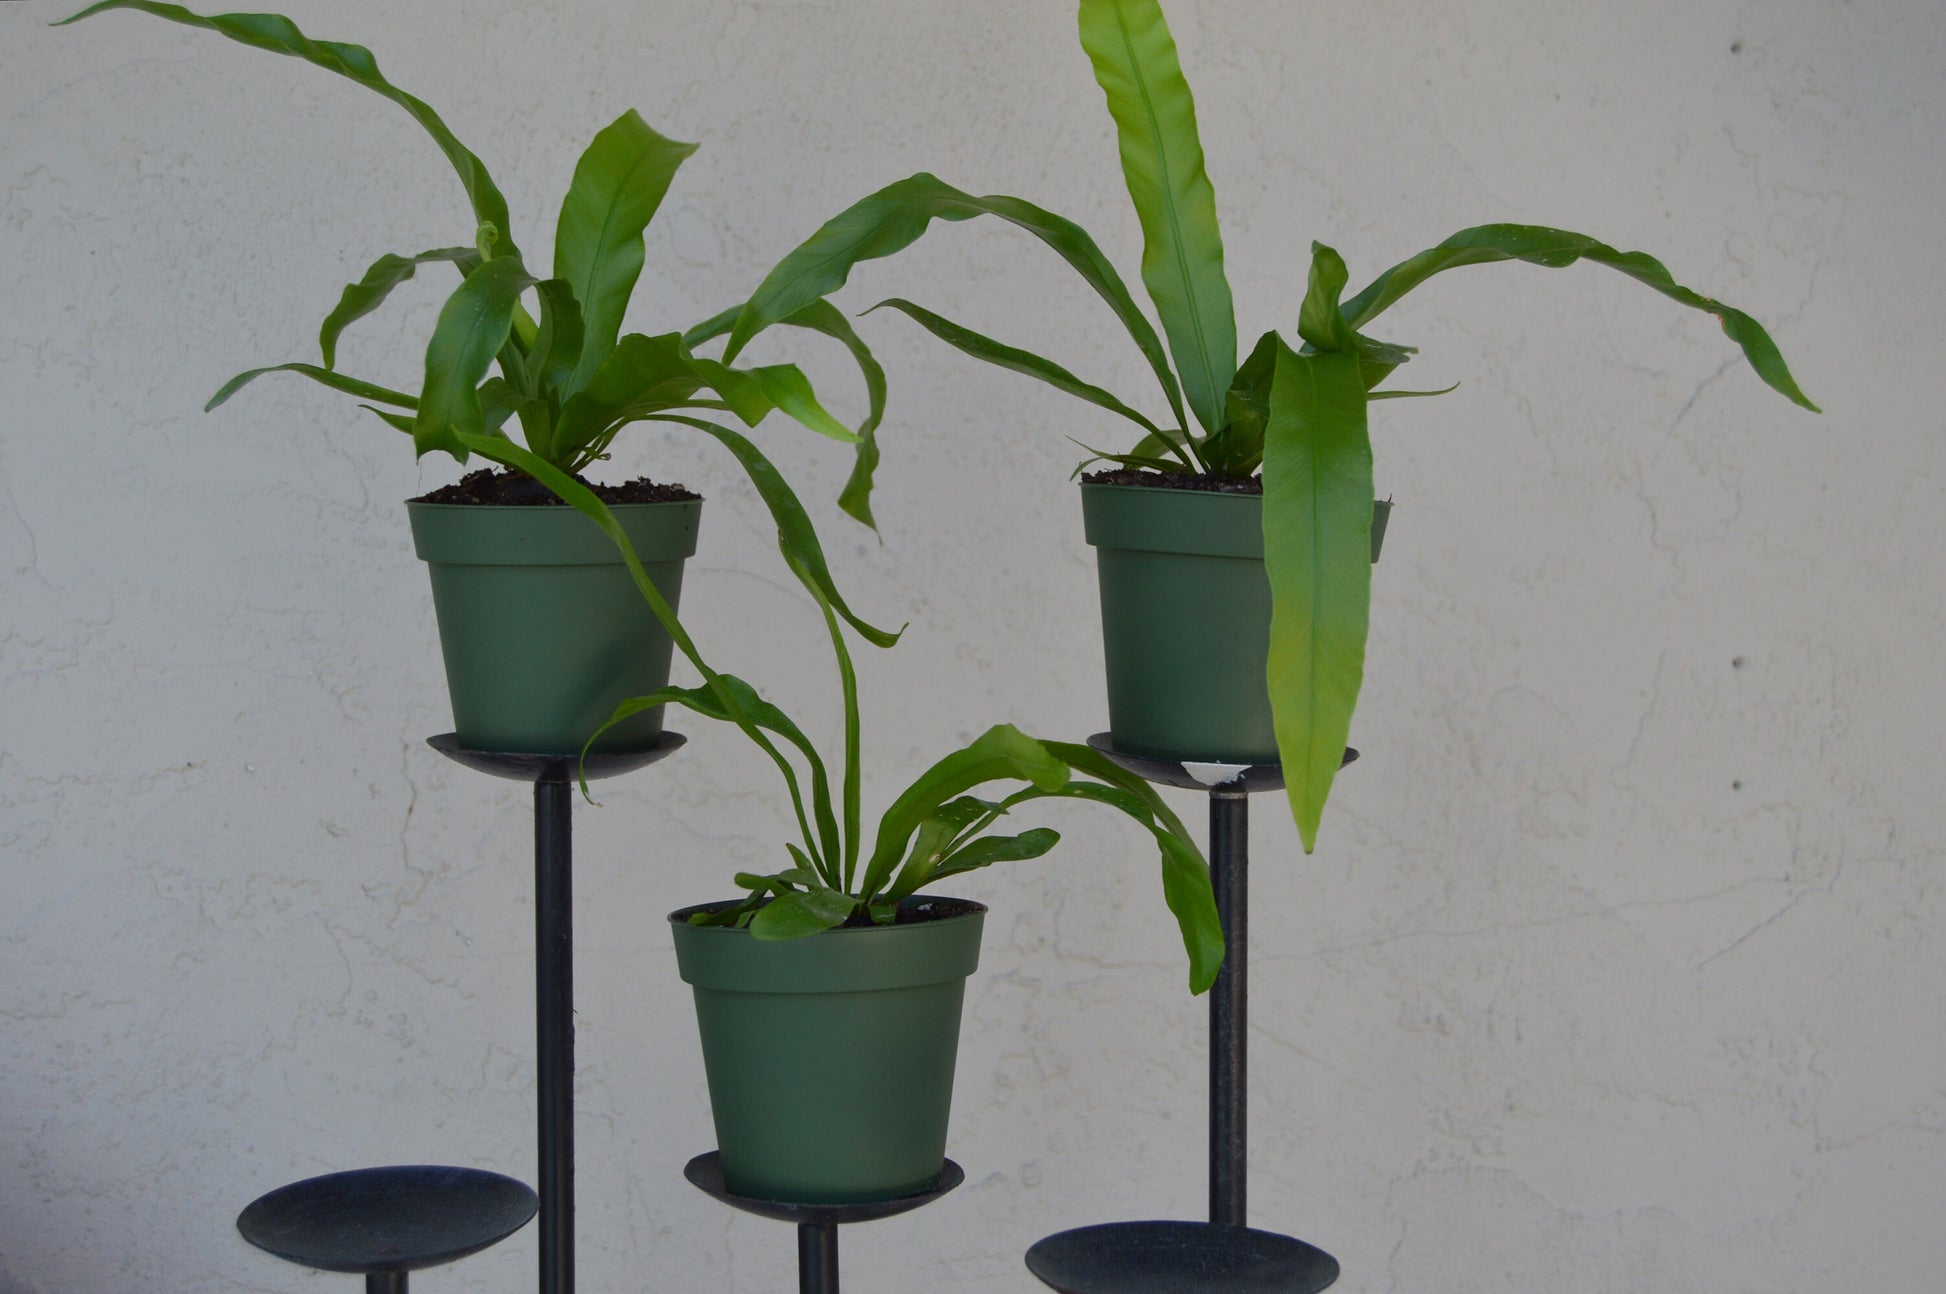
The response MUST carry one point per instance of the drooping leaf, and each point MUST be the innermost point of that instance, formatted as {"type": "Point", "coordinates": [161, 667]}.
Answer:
{"type": "Point", "coordinates": [583, 500]}
{"type": "Point", "coordinates": [1135, 62]}
{"type": "Point", "coordinates": [336, 381]}
{"type": "Point", "coordinates": [1001, 752]}
{"type": "Point", "coordinates": [1317, 519]}
{"type": "Point", "coordinates": [796, 536]}
{"type": "Point", "coordinates": [1019, 361]}
{"type": "Point", "coordinates": [279, 35]}
{"type": "Point", "coordinates": [472, 327]}
{"type": "Point", "coordinates": [618, 184]}
{"type": "Point", "coordinates": [821, 316]}
{"type": "Point", "coordinates": [1553, 249]}
{"type": "Point", "coordinates": [892, 219]}
{"type": "Point", "coordinates": [1185, 876]}
{"type": "Point", "coordinates": [732, 700]}
{"type": "Point", "coordinates": [387, 272]}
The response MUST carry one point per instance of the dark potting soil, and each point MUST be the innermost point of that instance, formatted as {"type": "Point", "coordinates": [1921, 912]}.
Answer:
{"type": "Point", "coordinates": [503, 489]}
{"type": "Point", "coordinates": [1176, 481]}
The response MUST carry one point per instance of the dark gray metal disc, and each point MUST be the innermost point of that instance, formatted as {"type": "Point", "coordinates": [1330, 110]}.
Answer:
{"type": "Point", "coordinates": [1179, 1258]}
{"type": "Point", "coordinates": [394, 1219]}
{"type": "Point", "coordinates": [705, 1172]}
{"type": "Point", "coordinates": [1191, 775]}
{"type": "Point", "coordinates": [520, 766]}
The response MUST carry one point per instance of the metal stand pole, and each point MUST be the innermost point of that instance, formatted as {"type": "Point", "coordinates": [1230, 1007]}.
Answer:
{"type": "Point", "coordinates": [817, 1258]}
{"type": "Point", "coordinates": [554, 1027]}
{"type": "Point", "coordinates": [1229, 1012]}
{"type": "Point", "coordinates": [384, 1283]}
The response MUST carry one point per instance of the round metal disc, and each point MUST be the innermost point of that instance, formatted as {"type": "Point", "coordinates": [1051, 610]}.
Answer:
{"type": "Point", "coordinates": [1191, 775]}
{"type": "Point", "coordinates": [1179, 1258]}
{"type": "Point", "coordinates": [520, 766]}
{"type": "Point", "coordinates": [394, 1219]}
{"type": "Point", "coordinates": [705, 1172]}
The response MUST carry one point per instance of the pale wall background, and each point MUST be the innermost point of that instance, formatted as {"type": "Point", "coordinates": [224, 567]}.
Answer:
{"type": "Point", "coordinates": [1617, 968]}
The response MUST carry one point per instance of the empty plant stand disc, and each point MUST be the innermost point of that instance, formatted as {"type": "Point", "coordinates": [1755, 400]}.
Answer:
{"type": "Point", "coordinates": [1179, 1258]}
{"type": "Point", "coordinates": [394, 1219]}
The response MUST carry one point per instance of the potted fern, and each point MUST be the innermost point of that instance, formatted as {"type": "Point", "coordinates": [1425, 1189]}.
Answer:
{"type": "Point", "coordinates": [1235, 535]}
{"type": "Point", "coordinates": [837, 974]}
{"type": "Point", "coordinates": [541, 628]}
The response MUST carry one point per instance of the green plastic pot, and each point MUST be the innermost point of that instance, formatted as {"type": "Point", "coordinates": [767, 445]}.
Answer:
{"type": "Point", "coordinates": [1185, 620]}
{"type": "Point", "coordinates": [542, 629]}
{"type": "Point", "coordinates": [830, 1058]}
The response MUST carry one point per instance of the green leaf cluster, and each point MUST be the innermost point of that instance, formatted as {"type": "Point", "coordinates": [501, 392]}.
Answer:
{"type": "Point", "coordinates": [1295, 413]}
{"type": "Point", "coordinates": [568, 377]}
{"type": "Point", "coordinates": [934, 829]}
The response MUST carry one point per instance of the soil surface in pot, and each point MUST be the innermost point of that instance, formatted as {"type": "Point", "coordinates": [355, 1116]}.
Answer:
{"type": "Point", "coordinates": [912, 911]}
{"type": "Point", "coordinates": [502, 489]}
{"type": "Point", "coordinates": [1176, 481]}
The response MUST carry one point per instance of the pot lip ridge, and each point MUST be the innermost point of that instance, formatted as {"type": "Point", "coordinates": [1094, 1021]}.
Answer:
{"type": "Point", "coordinates": [964, 909]}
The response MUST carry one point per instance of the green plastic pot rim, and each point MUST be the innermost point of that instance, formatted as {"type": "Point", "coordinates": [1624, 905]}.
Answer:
{"type": "Point", "coordinates": [846, 959]}
{"type": "Point", "coordinates": [1207, 523]}
{"type": "Point", "coordinates": [489, 534]}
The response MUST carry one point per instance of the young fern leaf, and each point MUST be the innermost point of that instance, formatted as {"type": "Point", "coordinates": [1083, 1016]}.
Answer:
{"type": "Point", "coordinates": [619, 182]}
{"type": "Point", "coordinates": [473, 326]}
{"type": "Point", "coordinates": [1135, 62]}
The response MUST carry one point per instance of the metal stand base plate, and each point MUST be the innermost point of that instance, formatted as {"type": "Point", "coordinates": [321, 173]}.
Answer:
{"type": "Point", "coordinates": [394, 1219]}
{"type": "Point", "coordinates": [1178, 1258]}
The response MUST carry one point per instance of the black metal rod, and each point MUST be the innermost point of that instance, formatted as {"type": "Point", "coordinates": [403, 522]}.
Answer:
{"type": "Point", "coordinates": [1229, 1014]}
{"type": "Point", "coordinates": [384, 1283]}
{"type": "Point", "coordinates": [554, 1028]}
{"type": "Point", "coordinates": [817, 1258]}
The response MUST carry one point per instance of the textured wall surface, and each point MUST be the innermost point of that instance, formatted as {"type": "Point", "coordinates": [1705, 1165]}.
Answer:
{"type": "Point", "coordinates": [1618, 966]}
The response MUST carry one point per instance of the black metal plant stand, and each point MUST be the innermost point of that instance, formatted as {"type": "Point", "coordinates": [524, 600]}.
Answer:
{"type": "Point", "coordinates": [817, 1224]}
{"type": "Point", "coordinates": [1224, 1255]}
{"type": "Point", "coordinates": [554, 777]}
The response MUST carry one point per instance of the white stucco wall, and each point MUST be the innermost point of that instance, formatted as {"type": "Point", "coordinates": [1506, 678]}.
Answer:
{"type": "Point", "coordinates": [1617, 967]}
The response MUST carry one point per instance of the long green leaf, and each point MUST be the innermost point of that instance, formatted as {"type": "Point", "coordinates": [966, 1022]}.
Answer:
{"type": "Point", "coordinates": [1135, 62]}
{"type": "Point", "coordinates": [786, 387]}
{"type": "Point", "coordinates": [1020, 361]}
{"type": "Point", "coordinates": [797, 538]}
{"type": "Point", "coordinates": [1001, 752]}
{"type": "Point", "coordinates": [618, 184]}
{"type": "Point", "coordinates": [1185, 875]}
{"type": "Point", "coordinates": [988, 850]}
{"type": "Point", "coordinates": [1317, 520]}
{"type": "Point", "coordinates": [387, 272]}
{"type": "Point", "coordinates": [280, 35]}
{"type": "Point", "coordinates": [821, 316]}
{"type": "Point", "coordinates": [472, 327]}
{"type": "Point", "coordinates": [583, 500]}
{"type": "Point", "coordinates": [1553, 249]}
{"type": "Point", "coordinates": [725, 703]}
{"type": "Point", "coordinates": [892, 219]}
{"type": "Point", "coordinates": [336, 381]}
